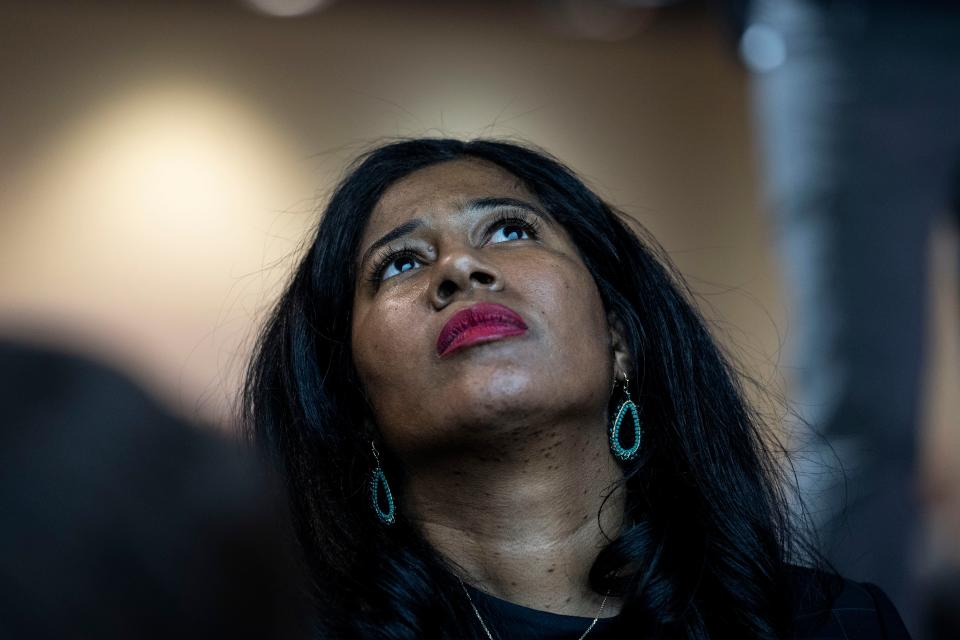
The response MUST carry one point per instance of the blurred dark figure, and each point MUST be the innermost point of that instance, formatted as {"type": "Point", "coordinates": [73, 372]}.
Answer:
{"type": "Point", "coordinates": [858, 109]}
{"type": "Point", "coordinates": [941, 613]}
{"type": "Point", "coordinates": [117, 521]}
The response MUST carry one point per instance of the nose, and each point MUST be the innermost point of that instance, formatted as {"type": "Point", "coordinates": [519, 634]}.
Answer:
{"type": "Point", "coordinates": [459, 273]}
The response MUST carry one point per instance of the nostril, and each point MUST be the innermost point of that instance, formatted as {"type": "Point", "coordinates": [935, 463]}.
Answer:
{"type": "Point", "coordinates": [447, 289]}
{"type": "Point", "coordinates": [483, 278]}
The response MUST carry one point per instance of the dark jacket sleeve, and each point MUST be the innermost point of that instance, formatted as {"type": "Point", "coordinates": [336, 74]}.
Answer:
{"type": "Point", "coordinates": [890, 621]}
{"type": "Point", "coordinates": [830, 607]}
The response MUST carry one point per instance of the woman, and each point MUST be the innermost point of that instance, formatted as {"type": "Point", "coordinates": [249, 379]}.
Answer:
{"type": "Point", "coordinates": [498, 416]}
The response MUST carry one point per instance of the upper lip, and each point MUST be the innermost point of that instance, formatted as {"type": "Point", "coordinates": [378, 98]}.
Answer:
{"type": "Point", "coordinates": [480, 313]}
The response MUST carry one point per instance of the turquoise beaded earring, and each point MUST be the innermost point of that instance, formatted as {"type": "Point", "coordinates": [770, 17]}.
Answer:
{"type": "Point", "coordinates": [627, 411]}
{"type": "Point", "coordinates": [378, 482]}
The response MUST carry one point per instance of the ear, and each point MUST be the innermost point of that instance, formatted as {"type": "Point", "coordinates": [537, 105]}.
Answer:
{"type": "Point", "coordinates": [622, 361]}
{"type": "Point", "coordinates": [369, 428]}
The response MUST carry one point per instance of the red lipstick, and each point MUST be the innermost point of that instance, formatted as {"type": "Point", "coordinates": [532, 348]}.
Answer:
{"type": "Point", "coordinates": [483, 322]}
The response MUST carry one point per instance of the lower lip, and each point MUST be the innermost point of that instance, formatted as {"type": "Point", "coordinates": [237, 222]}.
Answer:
{"type": "Point", "coordinates": [482, 333]}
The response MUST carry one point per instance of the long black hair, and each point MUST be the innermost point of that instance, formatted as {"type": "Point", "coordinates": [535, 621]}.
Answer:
{"type": "Point", "coordinates": [706, 550]}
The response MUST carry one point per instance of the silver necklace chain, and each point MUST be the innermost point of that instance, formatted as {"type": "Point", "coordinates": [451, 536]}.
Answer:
{"type": "Point", "coordinates": [490, 635]}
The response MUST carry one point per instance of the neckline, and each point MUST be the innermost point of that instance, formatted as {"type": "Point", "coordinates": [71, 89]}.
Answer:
{"type": "Point", "coordinates": [510, 613]}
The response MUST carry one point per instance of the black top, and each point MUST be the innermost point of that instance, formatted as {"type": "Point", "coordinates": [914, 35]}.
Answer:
{"type": "Point", "coordinates": [860, 611]}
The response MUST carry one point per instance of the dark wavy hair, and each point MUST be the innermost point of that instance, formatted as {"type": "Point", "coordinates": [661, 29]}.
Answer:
{"type": "Point", "coordinates": [706, 546]}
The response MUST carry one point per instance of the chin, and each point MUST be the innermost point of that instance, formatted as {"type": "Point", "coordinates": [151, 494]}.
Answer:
{"type": "Point", "coordinates": [496, 393]}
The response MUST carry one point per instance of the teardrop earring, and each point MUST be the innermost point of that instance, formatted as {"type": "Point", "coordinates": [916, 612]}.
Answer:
{"type": "Point", "coordinates": [377, 482]}
{"type": "Point", "coordinates": [627, 410]}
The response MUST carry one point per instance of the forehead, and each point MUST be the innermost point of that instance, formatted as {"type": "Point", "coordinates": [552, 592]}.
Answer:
{"type": "Point", "coordinates": [441, 189]}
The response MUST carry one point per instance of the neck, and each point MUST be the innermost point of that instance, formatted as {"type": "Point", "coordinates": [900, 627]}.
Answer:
{"type": "Point", "coordinates": [521, 522]}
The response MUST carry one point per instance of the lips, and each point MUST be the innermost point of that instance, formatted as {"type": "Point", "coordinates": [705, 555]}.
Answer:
{"type": "Point", "coordinates": [483, 322]}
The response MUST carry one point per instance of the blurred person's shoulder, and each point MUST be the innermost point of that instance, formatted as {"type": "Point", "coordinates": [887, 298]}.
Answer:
{"type": "Point", "coordinates": [830, 606]}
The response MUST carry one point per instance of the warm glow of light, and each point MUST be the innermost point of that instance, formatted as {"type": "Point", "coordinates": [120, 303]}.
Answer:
{"type": "Point", "coordinates": [177, 174]}
{"type": "Point", "coordinates": [153, 221]}
{"type": "Point", "coordinates": [287, 8]}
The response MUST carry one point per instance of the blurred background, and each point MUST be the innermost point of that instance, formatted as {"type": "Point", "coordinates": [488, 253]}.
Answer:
{"type": "Point", "coordinates": [161, 162]}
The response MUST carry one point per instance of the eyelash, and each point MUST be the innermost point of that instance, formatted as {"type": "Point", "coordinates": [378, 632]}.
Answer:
{"type": "Point", "coordinates": [531, 226]}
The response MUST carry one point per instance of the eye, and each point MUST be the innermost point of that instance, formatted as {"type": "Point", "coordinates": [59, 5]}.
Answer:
{"type": "Point", "coordinates": [512, 229]}
{"type": "Point", "coordinates": [397, 264]}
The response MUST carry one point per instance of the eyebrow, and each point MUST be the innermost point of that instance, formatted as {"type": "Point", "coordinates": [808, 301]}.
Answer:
{"type": "Point", "coordinates": [498, 203]}
{"type": "Point", "coordinates": [475, 205]}
{"type": "Point", "coordinates": [397, 232]}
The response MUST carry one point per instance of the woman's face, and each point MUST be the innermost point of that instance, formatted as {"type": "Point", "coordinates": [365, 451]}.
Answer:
{"type": "Point", "coordinates": [440, 241]}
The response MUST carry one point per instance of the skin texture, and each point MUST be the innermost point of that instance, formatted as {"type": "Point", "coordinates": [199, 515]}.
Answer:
{"type": "Point", "coordinates": [504, 443]}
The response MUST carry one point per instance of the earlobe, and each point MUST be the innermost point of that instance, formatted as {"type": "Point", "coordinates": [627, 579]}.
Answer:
{"type": "Point", "coordinates": [369, 428]}
{"type": "Point", "coordinates": [622, 362]}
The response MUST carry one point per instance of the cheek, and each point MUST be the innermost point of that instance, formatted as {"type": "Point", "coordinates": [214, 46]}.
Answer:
{"type": "Point", "coordinates": [385, 347]}
{"type": "Point", "coordinates": [578, 349]}
{"type": "Point", "coordinates": [573, 309]}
